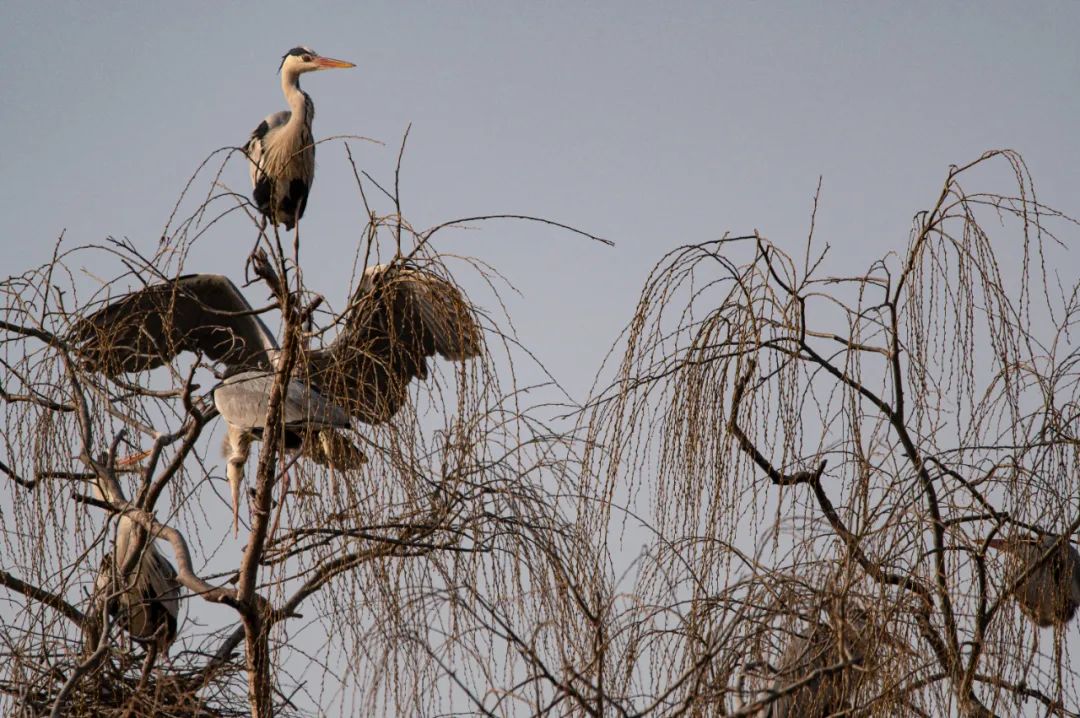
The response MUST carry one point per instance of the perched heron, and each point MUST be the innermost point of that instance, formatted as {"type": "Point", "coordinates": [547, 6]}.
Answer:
{"type": "Point", "coordinates": [281, 149]}
{"type": "Point", "coordinates": [842, 640]}
{"type": "Point", "coordinates": [398, 316]}
{"type": "Point", "coordinates": [1050, 594]}
{"type": "Point", "coordinates": [147, 602]}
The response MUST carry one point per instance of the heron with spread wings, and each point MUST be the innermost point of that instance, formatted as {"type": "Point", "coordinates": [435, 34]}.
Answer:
{"type": "Point", "coordinates": [398, 317]}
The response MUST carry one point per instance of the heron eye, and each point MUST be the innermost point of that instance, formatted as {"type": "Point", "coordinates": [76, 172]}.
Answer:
{"type": "Point", "coordinates": [306, 58]}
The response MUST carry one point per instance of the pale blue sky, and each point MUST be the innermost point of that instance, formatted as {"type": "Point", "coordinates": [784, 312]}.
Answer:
{"type": "Point", "coordinates": [652, 124]}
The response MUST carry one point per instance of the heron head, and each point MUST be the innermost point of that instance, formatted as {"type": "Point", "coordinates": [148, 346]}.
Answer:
{"type": "Point", "coordinates": [304, 59]}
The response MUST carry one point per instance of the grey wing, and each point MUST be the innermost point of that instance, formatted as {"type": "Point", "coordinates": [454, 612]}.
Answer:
{"type": "Point", "coordinates": [255, 144]}
{"type": "Point", "coordinates": [196, 312]}
{"type": "Point", "coordinates": [91, 627]}
{"type": "Point", "coordinates": [439, 314]}
{"type": "Point", "coordinates": [306, 406]}
{"type": "Point", "coordinates": [155, 599]}
{"type": "Point", "coordinates": [243, 400]}
{"type": "Point", "coordinates": [1074, 567]}
{"type": "Point", "coordinates": [791, 670]}
{"type": "Point", "coordinates": [165, 586]}
{"type": "Point", "coordinates": [819, 696]}
{"type": "Point", "coordinates": [397, 318]}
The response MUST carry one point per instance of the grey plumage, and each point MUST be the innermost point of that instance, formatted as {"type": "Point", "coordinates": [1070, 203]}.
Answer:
{"type": "Point", "coordinates": [833, 649]}
{"type": "Point", "coordinates": [1050, 594]}
{"type": "Point", "coordinates": [146, 602]}
{"type": "Point", "coordinates": [243, 399]}
{"type": "Point", "coordinates": [281, 150]}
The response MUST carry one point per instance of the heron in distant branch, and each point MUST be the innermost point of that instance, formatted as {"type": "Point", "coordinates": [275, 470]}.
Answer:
{"type": "Point", "coordinates": [1050, 594]}
{"type": "Point", "coordinates": [398, 316]}
{"type": "Point", "coordinates": [844, 641]}
{"type": "Point", "coordinates": [282, 149]}
{"type": "Point", "coordinates": [146, 601]}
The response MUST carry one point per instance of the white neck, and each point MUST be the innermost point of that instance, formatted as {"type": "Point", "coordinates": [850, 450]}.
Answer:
{"type": "Point", "coordinates": [290, 87]}
{"type": "Point", "coordinates": [125, 528]}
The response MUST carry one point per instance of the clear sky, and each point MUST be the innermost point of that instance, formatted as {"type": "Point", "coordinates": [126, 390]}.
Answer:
{"type": "Point", "coordinates": [651, 124]}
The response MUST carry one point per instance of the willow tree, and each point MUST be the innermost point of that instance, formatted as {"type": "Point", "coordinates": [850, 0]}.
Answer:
{"type": "Point", "coordinates": [821, 468]}
{"type": "Point", "coordinates": [825, 461]}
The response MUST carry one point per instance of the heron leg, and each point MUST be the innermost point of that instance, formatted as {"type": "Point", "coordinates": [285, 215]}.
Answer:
{"type": "Point", "coordinates": [236, 475]}
{"type": "Point", "coordinates": [258, 240]}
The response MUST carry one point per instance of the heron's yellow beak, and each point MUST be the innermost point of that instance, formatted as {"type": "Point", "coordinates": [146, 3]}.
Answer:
{"type": "Point", "coordinates": [129, 461]}
{"type": "Point", "coordinates": [329, 63]}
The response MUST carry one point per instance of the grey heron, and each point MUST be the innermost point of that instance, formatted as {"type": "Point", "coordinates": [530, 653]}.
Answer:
{"type": "Point", "coordinates": [281, 150]}
{"type": "Point", "coordinates": [1050, 594]}
{"type": "Point", "coordinates": [843, 640]}
{"type": "Point", "coordinates": [147, 602]}
{"type": "Point", "coordinates": [398, 316]}
{"type": "Point", "coordinates": [242, 399]}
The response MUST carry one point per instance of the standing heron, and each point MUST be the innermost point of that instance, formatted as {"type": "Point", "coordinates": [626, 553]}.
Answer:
{"type": "Point", "coordinates": [146, 601]}
{"type": "Point", "coordinates": [844, 642]}
{"type": "Point", "coordinates": [398, 316]}
{"type": "Point", "coordinates": [281, 150]}
{"type": "Point", "coordinates": [1050, 593]}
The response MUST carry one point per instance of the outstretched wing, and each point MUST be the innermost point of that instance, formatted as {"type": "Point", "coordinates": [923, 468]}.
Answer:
{"type": "Point", "coordinates": [398, 316]}
{"type": "Point", "coordinates": [196, 312]}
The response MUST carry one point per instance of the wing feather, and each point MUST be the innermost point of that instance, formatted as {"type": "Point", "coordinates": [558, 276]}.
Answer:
{"type": "Point", "coordinates": [398, 317]}
{"type": "Point", "coordinates": [196, 313]}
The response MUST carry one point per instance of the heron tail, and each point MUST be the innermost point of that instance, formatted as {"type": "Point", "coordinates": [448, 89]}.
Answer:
{"type": "Point", "coordinates": [333, 449]}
